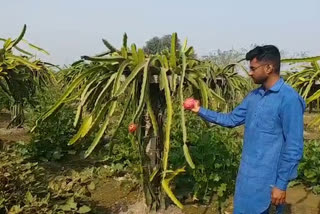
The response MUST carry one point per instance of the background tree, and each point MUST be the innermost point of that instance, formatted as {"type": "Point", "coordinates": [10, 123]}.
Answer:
{"type": "Point", "coordinates": [225, 57]}
{"type": "Point", "coordinates": [156, 45]}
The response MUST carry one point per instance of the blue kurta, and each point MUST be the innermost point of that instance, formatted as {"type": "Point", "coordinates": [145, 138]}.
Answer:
{"type": "Point", "coordinates": [273, 143]}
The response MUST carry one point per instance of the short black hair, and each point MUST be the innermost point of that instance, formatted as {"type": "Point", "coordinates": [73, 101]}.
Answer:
{"type": "Point", "coordinates": [266, 53]}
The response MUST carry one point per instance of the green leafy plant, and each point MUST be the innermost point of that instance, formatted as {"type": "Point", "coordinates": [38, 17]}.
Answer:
{"type": "Point", "coordinates": [21, 76]}
{"type": "Point", "coordinates": [216, 153]}
{"type": "Point", "coordinates": [309, 168]}
{"type": "Point", "coordinates": [50, 140]}
{"type": "Point", "coordinates": [26, 187]}
{"type": "Point", "coordinates": [306, 79]}
{"type": "Point", "coordinates": [17, 174]}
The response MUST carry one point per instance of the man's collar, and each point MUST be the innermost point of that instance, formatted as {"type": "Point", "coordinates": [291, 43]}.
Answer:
{"type": "Point", "coordinates": [275, 88]}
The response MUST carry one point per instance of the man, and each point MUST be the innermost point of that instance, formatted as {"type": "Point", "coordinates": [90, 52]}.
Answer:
{"type": "Point", "coordinates": [273, 137]}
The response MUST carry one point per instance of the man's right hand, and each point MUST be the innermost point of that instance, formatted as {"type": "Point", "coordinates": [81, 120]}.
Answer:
{"type": "Point", "coordinates": [192, 104]}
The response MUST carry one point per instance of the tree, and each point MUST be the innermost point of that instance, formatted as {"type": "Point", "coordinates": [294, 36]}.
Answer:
{"type": "Point", "coordinates": [227, 83]}
{"type": "Point", "coordinates": [156, 45]}
{"type": "Point", "coordinates": [20, 76]}
{"type": "Point", "coordinates": [141, 86]}
{"type": "Point", "coordinates": [306, 81]}
{"type": "Point", "coordinates": [224, 58]}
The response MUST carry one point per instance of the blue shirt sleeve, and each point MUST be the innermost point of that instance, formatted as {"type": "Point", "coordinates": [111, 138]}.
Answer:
{"type": "Point", "coordinates": [235, 118]}
{"type": "Point", "coordinates": [291, 115]}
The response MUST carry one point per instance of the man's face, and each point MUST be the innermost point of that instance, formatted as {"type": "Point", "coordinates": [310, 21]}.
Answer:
{"type": "Point", "coordinates": [259, 71]}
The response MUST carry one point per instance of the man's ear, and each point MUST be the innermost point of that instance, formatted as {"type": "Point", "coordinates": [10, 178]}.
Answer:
{"type": "Point", "coordinates": [269, 68]}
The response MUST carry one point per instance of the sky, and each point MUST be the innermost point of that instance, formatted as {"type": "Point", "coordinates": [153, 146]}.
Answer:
{"type": "Point", "coordinates": [72, 28]}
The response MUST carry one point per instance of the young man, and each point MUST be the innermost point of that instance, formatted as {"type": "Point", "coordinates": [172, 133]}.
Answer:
{"type": "Point", "coordinates": [273, 138]}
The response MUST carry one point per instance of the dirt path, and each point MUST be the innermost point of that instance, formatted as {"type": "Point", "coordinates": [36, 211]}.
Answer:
{"type": "Point", "coordinates": [114, 196]}
{"type": "Point", "coordinates": [9, 135]}
{"type": "Point", "coordinates": [302, 201]}
{"type": "Point", "coordinates": [311, 133]}
{"type": "Point", "coordinates": [299, 201]}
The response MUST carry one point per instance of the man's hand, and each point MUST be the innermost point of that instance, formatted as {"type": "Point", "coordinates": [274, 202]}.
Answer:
{"type": "Point", "coordinates": [278, 196]}
{"type": "Point", "coordinates": [192, 104]}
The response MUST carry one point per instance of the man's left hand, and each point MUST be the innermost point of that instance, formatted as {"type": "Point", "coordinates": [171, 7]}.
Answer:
{"type": "Point", "coordinates": [278, 196]}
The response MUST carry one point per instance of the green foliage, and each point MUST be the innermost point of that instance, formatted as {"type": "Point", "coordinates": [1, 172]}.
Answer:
{"type": "Point", "coordinates": [27, 187]}
{"type": "Point", "coordinates": [304, 78]}
{"type": "Point", "coordinates": [5, 101]}
{"type": "Point", "coordinates": [309, 168]}
{"type": "Point", "coordinates": [118, 152]}
{"type": "Point", "coordinates": [78, 185]}
{"type": "Point", "coordinates": [227, 83]}
{"type": "Point", "coordinates": [216, 153]}
{"type": "Point", "coordinates": [17, 175]}
{"type": "Point", "coordinates": [21, 76]}
{"type": "Point", "coordinates": [50, 140]}
{"type": "Point", "coordinates": [305, 81]}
